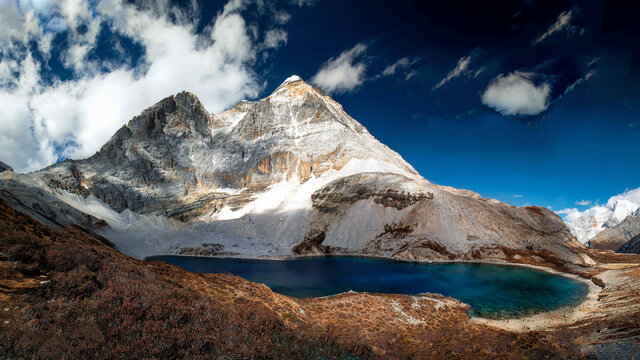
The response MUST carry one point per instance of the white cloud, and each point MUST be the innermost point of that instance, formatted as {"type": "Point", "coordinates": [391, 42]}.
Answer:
{"type": "Point", "coordinates": [563, 22]}
{"type": "Point", "coordinates": [588, 223]}
{"type": "Point", "coordinates": [302, 3]}
{"type": "Point", "coordinates": [461, 68]}
{"type": "Point", "coordinates": [73, 118]}
{"type": "Point", "coordinates": [274, 38]}
{"type": "Point", "coordinates": [281, 17]}
{"type": "Point", "coordinates": [16, 25]}
{"type": "Point", "coordinates": [410, 74]}
{"type": "Point", "coordinates": [402, 63]}
{"type": "Point", "coordinates": [516, 94]}
{"type": "Point", "coordinates": [517, 196]}
{"type": "Point", "coordinates": [343, 73]}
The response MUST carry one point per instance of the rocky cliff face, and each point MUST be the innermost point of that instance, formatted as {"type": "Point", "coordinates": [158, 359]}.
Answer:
{"type": "Point", "coordinates": [176, 154]}
{"type": "Point", "coordinates": [615, 237]}
{"type": "Point", "coordinates": [5, 167]}
{"type": "Point", "coordinates": [291, 173]}
{"type": "Point", "coordinates": [631, 246]}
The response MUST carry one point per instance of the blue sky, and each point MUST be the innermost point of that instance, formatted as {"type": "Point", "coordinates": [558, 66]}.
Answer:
{"type": "Point", "coordinates": [529, 102]}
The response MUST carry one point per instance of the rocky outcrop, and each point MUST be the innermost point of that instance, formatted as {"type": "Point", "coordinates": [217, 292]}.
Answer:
{"type": "Point", "coordinates": [5, 167]}
{"type": "Point", "coordinates": [383, 189]}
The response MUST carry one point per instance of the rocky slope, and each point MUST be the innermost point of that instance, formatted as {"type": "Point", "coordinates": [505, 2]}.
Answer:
{"type": "Point", "coordinates": [631, 246]}
{"type": "Point", "coordinates": [615, 237]}
{"type": "Point", "coordinates": [291, 173]}
{"type": "Point", "coordinates": [5, 167]}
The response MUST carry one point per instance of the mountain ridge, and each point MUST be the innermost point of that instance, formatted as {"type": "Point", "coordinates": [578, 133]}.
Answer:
{"type": "Point", "coordinates": [289, 173]}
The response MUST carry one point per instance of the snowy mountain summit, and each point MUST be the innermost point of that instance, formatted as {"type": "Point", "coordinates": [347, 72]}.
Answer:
{"type": "Point", "coordinates": [292, 173]}
{"type": "Point", "coordinates": [610, 225]}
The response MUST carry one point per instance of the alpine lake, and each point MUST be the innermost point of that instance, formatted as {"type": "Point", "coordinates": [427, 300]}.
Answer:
{"type": "Point", "coordinates": [492, 291]}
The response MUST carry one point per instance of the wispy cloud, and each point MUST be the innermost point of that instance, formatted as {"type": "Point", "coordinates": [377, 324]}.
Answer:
{"type": "Point", "coordinates": [402, 64]}
{"type": "Point", "coordinates": [274, 38]}
{"type": "Point", "coordinates": [461, 68]}
{"type": "Point", "coordinates": [583, 202]}
{"type": "Point", "coordinates": [517, 196]}
{"type": "Point", "coordinates": [563, 22]}
{"type": "Point", "coordinates": [343, 73]}
{"type": "Point", "coordinates": [566, 211]}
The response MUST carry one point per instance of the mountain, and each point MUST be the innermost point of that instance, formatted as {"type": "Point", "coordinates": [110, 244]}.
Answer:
{"type": "Point", "coordinates": [615, 237]}
{"type": "Point", "coordinates": [631, 246]}
{"type": "Point", "coordinates": [292, 173]}
{"type": "Point", "coordinates": [588, 224]}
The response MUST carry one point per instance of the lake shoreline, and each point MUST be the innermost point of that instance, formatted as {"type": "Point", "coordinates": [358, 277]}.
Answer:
{"type": "Point", "coordinates": [540, 321]}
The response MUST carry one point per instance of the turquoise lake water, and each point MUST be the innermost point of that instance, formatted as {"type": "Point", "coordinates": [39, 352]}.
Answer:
{"type": "Point", "coordinates": [493, 291]}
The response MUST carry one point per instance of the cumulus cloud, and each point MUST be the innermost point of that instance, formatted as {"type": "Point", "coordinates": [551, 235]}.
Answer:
{"type": "Point", "coordinates": [516, 94]}
{"type": "Point", "coordinates": [588, 223]}
{"type": "Point", "coordinates": [342, 73]}
{"type": "Point", "coordinates": [563, 22]}
{"type": "Point", "coordinates": [43, 120]}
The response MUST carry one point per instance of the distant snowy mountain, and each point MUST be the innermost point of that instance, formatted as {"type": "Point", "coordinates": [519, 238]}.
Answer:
{"type": "Point", "coordinates": [292, 173]}
{"type": "Point", "coordinates": [616, 236]}
{"type": "Point", "coordinates": [587, 224]}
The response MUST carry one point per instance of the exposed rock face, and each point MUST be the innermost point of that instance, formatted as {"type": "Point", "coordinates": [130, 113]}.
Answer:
{"type": "Point", "coordinates": [392, 215]}
{"type": "Point", "coordinates": [383, 189]}
{"type": "Point", "coordinates": [34, 200]}
{"type": "Point", "coordinates": [176, 153]}
{"type": "Point", "coordinates": [631, 246]}
{"type": "Point", "coordinates": [5, 167]}
{"type": "Point", "coordinates": [616, 236]}
{"type": "Point", "coordinates": [289, 173]}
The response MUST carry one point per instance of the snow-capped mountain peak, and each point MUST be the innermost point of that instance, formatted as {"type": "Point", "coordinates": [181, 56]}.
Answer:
{"type": "Point", "coordinates": [291, 172]}
{"type": "Point", "coordinates": [290, 79]}
{"type": "Point", "coordinates": [587, 224]}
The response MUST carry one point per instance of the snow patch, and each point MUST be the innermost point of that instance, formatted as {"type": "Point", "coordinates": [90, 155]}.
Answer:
{"type": "Point", "coordinates": [290, 79]}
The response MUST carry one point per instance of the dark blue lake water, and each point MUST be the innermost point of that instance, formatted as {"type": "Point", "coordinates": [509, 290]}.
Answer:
{"type": "Point", "coordinates": [493, 291]}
